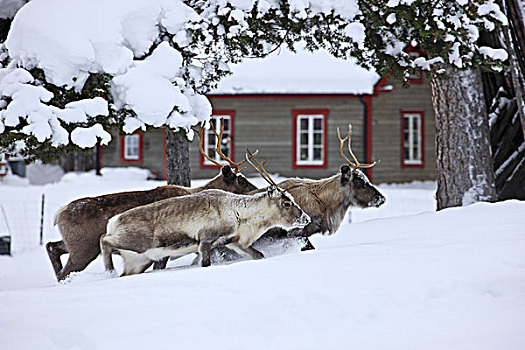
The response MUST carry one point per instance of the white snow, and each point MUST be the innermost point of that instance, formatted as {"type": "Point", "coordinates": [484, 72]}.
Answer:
{"type": "Point", "coordinates": [510, 159]}
{"type": "Point", "coordinates": [397, 277]}
{"type": "Point", "coordinates": [148, 89]}
{"type": "Point", "coordinates": [425, 64]}
{"type": "Point", "coordinates": [391, 18]}
{"type": "Point", "coordinates": [492, 9]}
{"type": "Point", "coordinates": [495, 54]}
{"type": "Point", "coordinates": [29, 103]}
{"type": "Point", "coordinates": [302, 72]}
{"type": "Point", "coordinates": [109, 37]}
{"type": "Point", "coordinates": [69, 46]}
{"type": "Point", "coordinates": [87, 137]}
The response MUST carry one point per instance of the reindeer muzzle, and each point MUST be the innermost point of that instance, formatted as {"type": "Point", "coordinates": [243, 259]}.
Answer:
{"type": "Point", "coordinates": [302, 221]}
{"type": "Point", "coordinates": [378, 201]}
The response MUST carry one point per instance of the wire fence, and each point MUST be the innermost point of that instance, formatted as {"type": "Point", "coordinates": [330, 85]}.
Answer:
{"type": "Point", "coordinates": [28, 221]}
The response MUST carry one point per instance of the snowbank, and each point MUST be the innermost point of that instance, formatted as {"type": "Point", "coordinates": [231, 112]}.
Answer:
{"type": "Point", "coordinates": [121, 175]}
{"type": "Point", "coordinates": [447, 280]}
{"type": "Point", "coordinates": [452, 279]}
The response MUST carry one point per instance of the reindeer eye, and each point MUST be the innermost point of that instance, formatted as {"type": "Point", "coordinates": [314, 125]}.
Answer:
{"type": "Point", "coordinates": [287, 204]}
{"type": "Point", "coordinates": [359, 184]}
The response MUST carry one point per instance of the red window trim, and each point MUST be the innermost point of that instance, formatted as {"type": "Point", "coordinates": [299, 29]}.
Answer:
{"type": "Point", "coordinates": [422, 114]}
{"type": "Point", "coordinates": [295, 114]}
{"type": "Point", "coordinates": [421, 53]}
{"type": "Point", "coordinates": [131, 161]}
{"type": "Point", "coordinates": [231, 114]}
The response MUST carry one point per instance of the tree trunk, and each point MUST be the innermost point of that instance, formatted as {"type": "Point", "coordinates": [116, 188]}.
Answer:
{"type": "Point", "coordinates": [177, 169]}
{"type": "Point", "coordinates": [177, 159]}
{"type": "Point", "coordinates": [464, 163]}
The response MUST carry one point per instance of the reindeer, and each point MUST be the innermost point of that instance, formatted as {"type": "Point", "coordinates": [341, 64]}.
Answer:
{"type": "Point", "coordinates": [84, 220]}
{"type": "Point", "coordinates": [327, 200]}
{"type": "Point", "coordinates": [196, 223]}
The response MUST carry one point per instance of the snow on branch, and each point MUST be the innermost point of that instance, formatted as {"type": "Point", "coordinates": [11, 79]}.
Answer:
{"type": "Point", "coordinates": [161, 56]}
{"type": "Point", "coordinates": [41, 120]}
{"type": "Point", "coordinates": [93, 64]}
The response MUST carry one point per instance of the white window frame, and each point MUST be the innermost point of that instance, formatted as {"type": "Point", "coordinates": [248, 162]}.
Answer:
{"type": "Point", "coordinates": [128, 147]}
{"type": "Point", "coordinates": [413, 159]}
{"type": "Point", "coordinates": [227, 135]}
{"type": "Point", "coordinates": [311, 119]}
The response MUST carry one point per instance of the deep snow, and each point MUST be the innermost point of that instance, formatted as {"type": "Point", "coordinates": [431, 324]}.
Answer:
{"type": "Point", "coordinates": [398, 277]}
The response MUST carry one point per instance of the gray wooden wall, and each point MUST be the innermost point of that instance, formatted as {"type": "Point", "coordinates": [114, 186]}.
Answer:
{"type": "Point", "coordinates": [387, 133]}
{"type": "Point", "coordinates": [266, 124]}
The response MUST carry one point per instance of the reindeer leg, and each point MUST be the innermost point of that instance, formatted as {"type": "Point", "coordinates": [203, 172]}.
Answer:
{"type": "Point", "coordinates": [78, 259]}
{"type": "Point", "coordinates": [254, 253]}
{"type": "Point", "coordinates": [310, 229]}
{"type": "Point", "coordinates": [77, 262]}
{"type": "Point", "coordinates": [134, 263]}
{"type": "Point", "coordinates": [204, 252]}
{"type": "Point", "coordinates": [55, 250]}
{"type": "Point", "coordinates": [107, 245]}
{"type": "Point", "coordinates": [303, 234]}
{"type": "Point", "coordinates": [250, 251]}
{"type": "Point", "coordinates": [160, 264]}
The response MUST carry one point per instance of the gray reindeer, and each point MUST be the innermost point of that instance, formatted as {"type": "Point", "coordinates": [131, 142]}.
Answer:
{"type": "Point", "coordinates": [196, 223]}
{"type": "Point", "coordinates": [83, 221]}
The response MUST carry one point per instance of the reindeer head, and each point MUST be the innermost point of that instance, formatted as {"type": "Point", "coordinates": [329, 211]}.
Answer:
{"type": "Point", "coordinates": [360, 190]}
{"type": "Point", "coordinates": [291, 215]}
{"type": "Point", "coordinates": [230, 178]}
{"type": "Point", "coordinates": [235, 183]}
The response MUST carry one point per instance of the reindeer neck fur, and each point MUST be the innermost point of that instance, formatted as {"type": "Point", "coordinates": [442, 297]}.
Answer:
{"type": "Point", "coordinates": [331, 202]}
{"type": "Point", "coordinates": [252, 219]}
{"type": "Point", "coordinates": [249, 208]}
{"type": "Point", "coordinates": [206, 186]}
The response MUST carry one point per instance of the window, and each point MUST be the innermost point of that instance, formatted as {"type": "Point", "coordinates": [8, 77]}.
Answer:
{"type": "Point", "coordinates": [131, 148]}
{"type": "Point", "coordinates": [210, 140]}
{"type": "Point", "coordinates": [310, 138]}
{"type": "Point", "coordinates": [415, 77]}
{"type": "Point", "coordinates": [412, 138]}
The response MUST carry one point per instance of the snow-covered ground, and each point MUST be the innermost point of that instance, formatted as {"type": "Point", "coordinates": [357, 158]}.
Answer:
{"type": "Point", "coordinates": [397, 277]}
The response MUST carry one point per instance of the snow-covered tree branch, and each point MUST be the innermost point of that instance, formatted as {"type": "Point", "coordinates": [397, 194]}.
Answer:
{"type": "Point", "coordinates": [150, 62]}
{"type": "Point", "coordinates": [139, 63]}
{"type": "Point", "coordinates": [72, 70]}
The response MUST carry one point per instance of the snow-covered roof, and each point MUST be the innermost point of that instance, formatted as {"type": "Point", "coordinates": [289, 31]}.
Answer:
{"type": "Point", "coordinates": [303, 72]}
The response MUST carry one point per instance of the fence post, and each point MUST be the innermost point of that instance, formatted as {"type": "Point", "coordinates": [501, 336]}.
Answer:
{"type": "Point", "coordinates": [42, 220]}
{"type": "Point", "coordinates": [5, 241]}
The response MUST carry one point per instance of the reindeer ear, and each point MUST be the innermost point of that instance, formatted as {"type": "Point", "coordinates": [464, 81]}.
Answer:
{"type": "Point", "coordinates": [227, 173]}
{"type": "Point", "coordinates": [272, 192]}
{"type": "Point", "coordinates": [346, 174]}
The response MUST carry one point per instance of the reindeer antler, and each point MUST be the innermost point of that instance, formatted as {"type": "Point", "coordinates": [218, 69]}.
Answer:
{"type": "Point", "coordinates": [217, 149]}
{"type": "Point", "coordinates": [348, 137]}
{"type": "Point", "coordinates": [200, 132]}
{"type": "Point", "coordinates": [264, 174]}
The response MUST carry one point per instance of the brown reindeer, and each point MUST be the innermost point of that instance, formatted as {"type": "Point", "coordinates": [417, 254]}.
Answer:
{"type": "Point", "coordinates": [196, 223]}
{"type": "Point", "coordinates": [84, 220]}
{"type": "Point", "coordinates": [327, 200]}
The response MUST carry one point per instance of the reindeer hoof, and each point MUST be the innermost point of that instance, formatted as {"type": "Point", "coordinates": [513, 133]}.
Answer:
{"type": "Point", "coordinates": [307, 245]}
{"type": "Point", "coordinates": [257, 255]}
